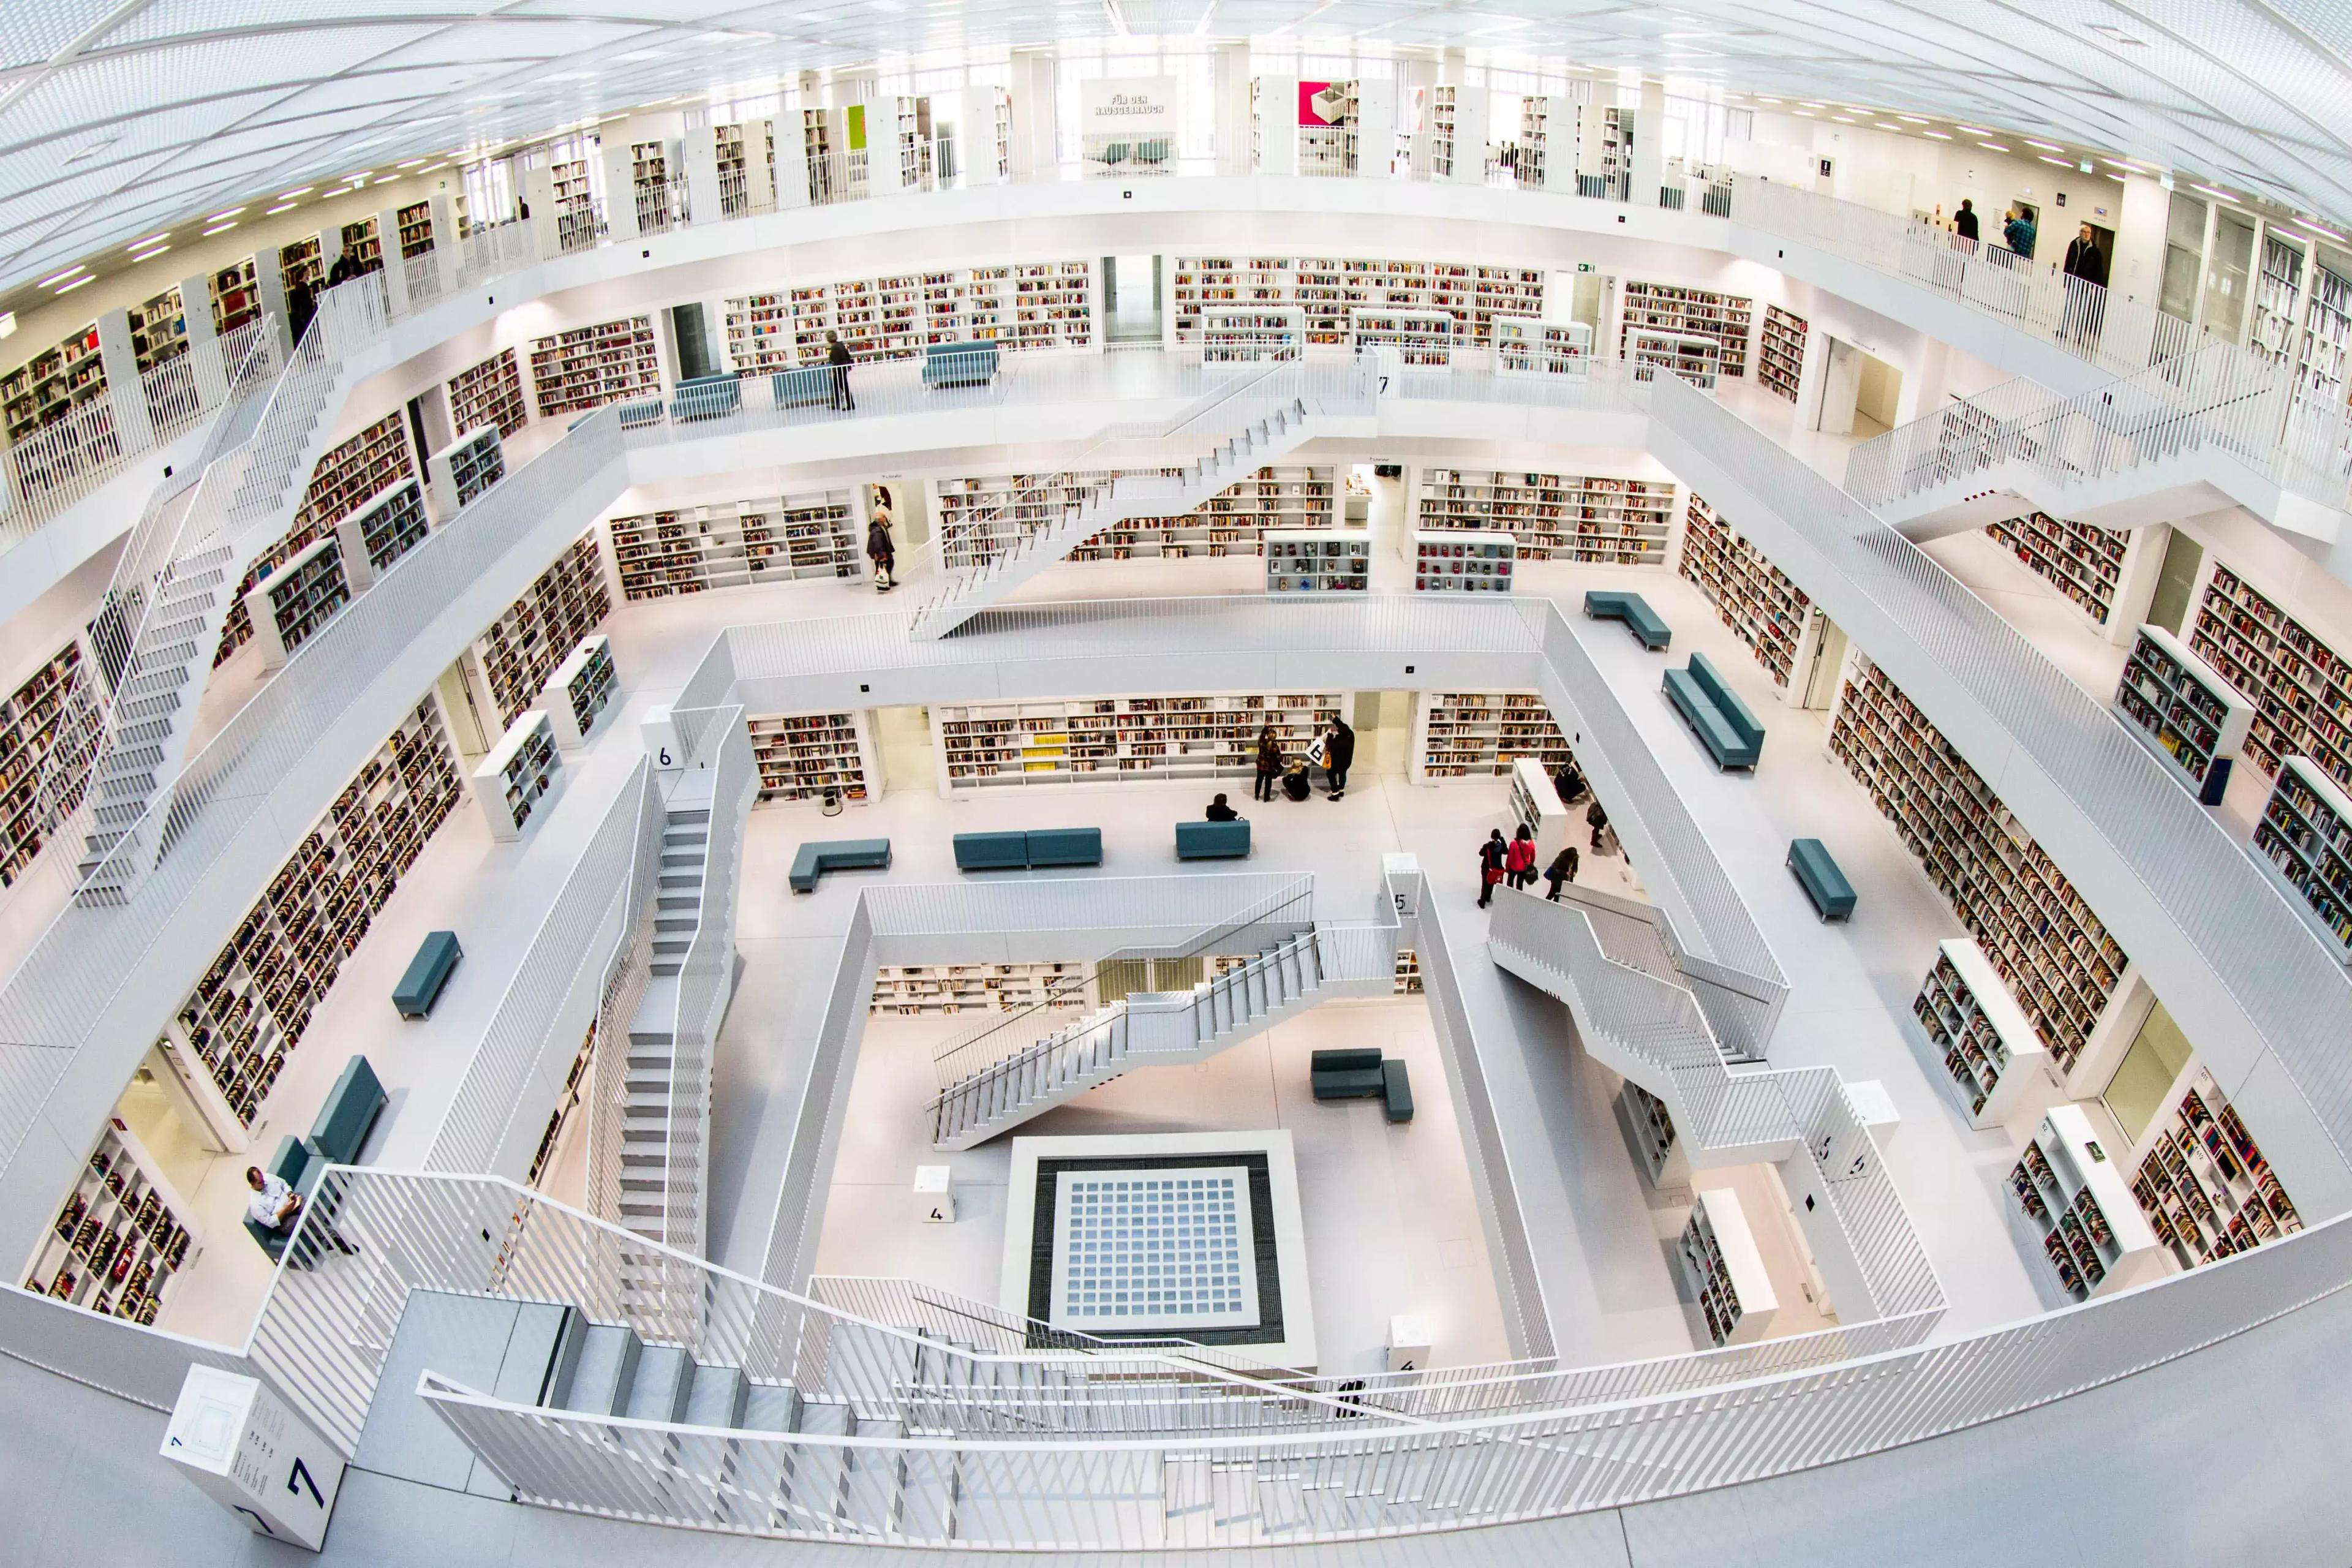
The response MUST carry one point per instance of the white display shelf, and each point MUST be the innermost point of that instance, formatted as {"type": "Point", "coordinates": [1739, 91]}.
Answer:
{"type": "Point", "coordinates": [1121, 739]}
{"type": "Point", "coordinates": [1675, 311]}
{"type": "Point", "coordinates": [2179, 708]}
{"type": "Point", "coordinates": [2074, 1196]}
{"type": "Point", "coordinates": [295, 602]}
{"type": "Point", "coordinates": [2299, 685]}
{"type": "Point", "coordinates": [1454, 128]}
{"type": "Point", "coordinates": [42, 717]}
{"type": "Point", "coordinates": [1753, 597]}
{"type": "Point", "coordinates": [237, 299]}
{"type": "Point", "coordinates": [159, 329]}
{"type": "Point", "coordinates": [1525, 345]}
{"type": "Point", "coordinates": [2203, 1185]}
{"type": "Point", "coordinates": [1408, 973]}
{"type": "Point", "coordinates": [570, 600]}
{"type": "Point", "coordinates": [734, 544]}
{"type": "Point", "coordinates": [2087, 564]}
{"type": "Point", "coordinates": [1651, 1130]}
{"type": "Point", "coordinates": [1725, 1270]}
{"type": "Point", "coordinates": [1535, 142]}
{"type": "Point", "coordinates": [587, 367]}
{"type": "Point", "coordinates": [1535, 804]}
{"type": "Point", "coordinates": [380, 531]}
{"type": "Point", "coordinates": [1236, 334]}
{"type": "Point", "coordinates": [2273, 328]}
{"type": "Point", "coordinates": [53, 383]}
{"type": "Point", "coordinates": [1327, 289]}
{"type": "Point", "coordinates": [229, 1038]}
{"type": "Point", "coordinates": [120, 1237]}
{"type": "Point", "coordinates": [1317, 560]}
{"type": "Point", "coordinates": [1780, 351]}
{"type": "Point", "coordinates": [1994, 1062]}
{"type": "Point", "coordinates": [1017, 306]}
{"type": "Point", "coordinates": [361, 246]}
{"type": "Point", "coordinates": [1595, 519]}
{"type": "Point", "coordinates": [2304, 840]}
{"type": "Point", "coordinates": [980, 516]}
{"type": "Point", "coordinates": [914, 989]}
{"type": "Point", "coordinates": [353, 474]}
{"type": "Point", "coordinates": [300, 266]}
{"type": "Point", "coordinates": [466, 468]}
{"type": "Point", "coordinates": [580, 691]}
{"type": "Point", "coordinates": [1423, 338]}
{"type": "Point", "coordinates": [1483, 735]}
{"type": "Point", "coordinates": [517, 782]}
{"type": "Point", "coordinates": [1695, 358]}
{"type": "Point", "coordinates": [1450, 562]}
{"type": "Point", "coordinates": [416, 222]}
{"type": "Point", "coordinates": [490, 392]}
{"type": "Point", "coordinates": [802, 757]}
{"type": "Point", "coordinates": [2039, 935]}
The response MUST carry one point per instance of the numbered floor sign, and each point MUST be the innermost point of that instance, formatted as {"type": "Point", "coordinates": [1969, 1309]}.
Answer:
{"type": "Point", "coordinates": [239, 1441]}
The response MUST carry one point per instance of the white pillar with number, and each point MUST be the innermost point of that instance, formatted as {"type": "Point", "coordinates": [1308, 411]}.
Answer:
{"type": "Point", "coordinates": [232, 1435]}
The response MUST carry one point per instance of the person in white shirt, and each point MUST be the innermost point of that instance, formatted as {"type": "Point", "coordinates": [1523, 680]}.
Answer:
{"type": "Point", "coordinates": [275, 1203]}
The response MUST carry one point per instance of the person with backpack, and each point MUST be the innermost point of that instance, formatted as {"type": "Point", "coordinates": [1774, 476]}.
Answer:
{"type": "Point", "coordinates": [1519, 859]}
{"type": "Point", "coordinates": [1561, 871]}
{"type": "Point", "coordinates": [1493, 856]}
{"type": "Point", "coordinates": [1269, 761]}
{"type": "Point", "coordinates": [1338, 752]}
{"type": "Point", "coordinates": [881, 551]}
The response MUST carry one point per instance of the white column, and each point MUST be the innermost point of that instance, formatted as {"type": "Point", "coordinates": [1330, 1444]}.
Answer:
{"type": "Point", "coordinates": [1036, 153]}
{"type": "Point", "coordinates": [699, 152]}
{"type": "Point", "coordinates": [1649, 144]}
{"type": "Point", "coordinates": [538, 195]}
{"type": "Point", "coordinates": [1376, 127]}
{"type": "Point", "coordinates": [204, 341]}
{"type": "Point", "coordinates": [1231, 133]}
{"type": "Point", "coordinates": [448, 251]}
{"type": "Point", "coordinates": [395, 267]}
{"type": "Point", "coordinates": [1276, 124]}
{"type": "Point", "coordinates": [619, 160]}
{"type": "Point", "coordinates": [133, 425]}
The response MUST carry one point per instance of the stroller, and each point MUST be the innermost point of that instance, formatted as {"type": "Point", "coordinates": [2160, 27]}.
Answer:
{"type": "Point", "coordinates": [1294, 780]}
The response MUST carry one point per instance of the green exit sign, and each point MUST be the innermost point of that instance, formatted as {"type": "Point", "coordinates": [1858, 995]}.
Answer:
{"type": "Point", "coordinates": [1584, 266]}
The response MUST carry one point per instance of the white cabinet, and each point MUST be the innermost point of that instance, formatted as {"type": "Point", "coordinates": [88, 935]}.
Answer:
{"type": "Point", "coordinates": [518, 779]}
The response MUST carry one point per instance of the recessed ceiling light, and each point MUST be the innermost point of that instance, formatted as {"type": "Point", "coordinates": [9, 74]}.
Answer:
{"type": "Point", "coordinates": [1911, 119]}
{"type": "Point", "coordinates": [1843, 118]}
{"type": "Point", "coordinates": [1761, 100]}
{"type": "Point", "coordinates": [76, 284]}
{"type": "Point", "coordinates": [1976, 130]}
{"type": "Point", "coordinates": [150, 254]}
{"type": "Point", "coordinates": [219, 228]}
{"type": "Point", "coordinates": [1810, 104]}
{"type": "Point", "coordinates": [2210, 191]}
{"type": "Point", "coordinates": [289, 195]}
{"type": "Point", "coordinates": [1884, 126]}
{"type": "Point", "coordinates": [1804, 114]}
{"type": "Point", "coordinates": [1938, 135]}
{"type": "Point", "coordinates": [409, 165]}
{"type": "Point", "coordinates": [2057, 162]}
{"type": "Point", "coordinates": [2045, 146]}
{"type": "Point", "coordinates": [1992, 146]}
{"type": "Point", "coordinates": [2317, 229]}
{"type": "Point", "coordinates": [217, 216]}
{"type": "Point", "coordinates": [282, 208]}
{"type": "Point", "coordinates": [60, 277]}
{"type": "Point", "coordinates": [149, 240]}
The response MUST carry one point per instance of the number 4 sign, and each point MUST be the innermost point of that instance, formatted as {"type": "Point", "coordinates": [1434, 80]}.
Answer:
{"type": "Point", "coordinates": [238, 1440]}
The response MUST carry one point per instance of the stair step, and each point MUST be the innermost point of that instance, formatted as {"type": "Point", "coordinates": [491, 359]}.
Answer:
{"type": "Point", "coordinates": [599, 1381]}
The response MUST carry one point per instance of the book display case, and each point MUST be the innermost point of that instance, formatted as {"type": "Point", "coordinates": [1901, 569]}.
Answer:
{"type": "Point", "coordinates": [819, 155]}
{"type": "Point", "coordinates": [804, 756]}
{"type": "Point", "coordinates": [2072, 1195]}
{"type": "Point", "coordinates": [575, 204]}
{"type": "Point", "coordinates": [2082, 563]}
{"type": "Point", "coordinates": [1780, 351]}
{"type": "Point", "coordinates": [1408, 973]}
{"type": "Point", "coordinates": [229, 1038]}
{"type": "Point", "coordinates": [1725, 1270]}
{"type": "Point", "coordinates": [2037, 932]}
{"type": "Point", "coordinates": [520, 776]}
{"type": "Point", "coordinates": [1993, 1060]}
{"type": "Point", "coordinates": [1612, 150]}
{"type": "Point", "coordinates": [2204, 1186]}
{"type": "Point", "coordinates": [122, 1234]}
{"type": "Point", "coordinates": [2192, 719]}
{"type": "Point", "coordinates": [362, 245]}
{"type": "Point", "coordinates": [978, 518]}
{"type": "Point", "coordinates": [2327, 331]}
{"type": "Point", "coordinates": [1310, 561]}
{"type": "Point", "coordinates": [567, 1100]}
{"type": "Point", "coordinates": [2271, 326]}
{"type": "Point", "coordinates": [1671, 309]}
{"type": "Point", "coordinates": [159, 329]}
{"type": "Point", "coordinates": [380, 531]}
{"type": "Point", "coordinates": [911, 990]}
{"type": "Point", "coordinates": [1418, 337]}
{"type": "Point", "coordinates": [994, 745]}
{"type": "Point", "coordinates": [300, 264]}
{"type": "Point", "coordinates": [1017, 306]}
{"type": "Point", "coordinates": [237, 299]}
{"type": "Point", "coordinates": [649, 179]}
{"type": "Point", "coordinates": [2300, 687]}
{"type": "Point", "coordinates": [416, 222]}
{"type": "Point", "coordinates": [1526, 346]}
{"type": "Point", "coordinates": [52, 385]}
{"type": "Point", "coordinates": [1483, 734]}
{"type": "Point", "coordinates": [730, 544]}
{"type": "Point", "coordinates": [39, 720]}
{"type": "Point", "coordinates": [1695, 358]}
{"type": "Point", "coordinates": [352, 474]}
{"type": "Point", "coordinates": [1650, 1131]}
{"type": "Point", "coordinates": [1230, 334]}
{"type": "Point", "coordinates": [1450, 562]}
{"type": "Point", "coordinates": [490, 392]}
{"type": "Point", "coordinates": [463, 469]}
{"type": "Point", "coordinates": [1326, 291]}
{"type": "Point", "coordinates": [588, 367]}
{"type": "Point", "coordinates": [1755, 598]}
{"type": "Point", "coordinates": [582, 688]}
{"type": "Point", "coordinates": [294, 601]}
{"type": "Point", "coordinates": [2306, 839]}
{"type": "Point", "coordinates": [1535, 141]}
{"type": "Point", "coordinates": [539, 630]}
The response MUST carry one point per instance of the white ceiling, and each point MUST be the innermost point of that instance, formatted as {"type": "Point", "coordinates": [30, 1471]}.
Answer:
{"type": "Point", "coordinates": [120, 117]}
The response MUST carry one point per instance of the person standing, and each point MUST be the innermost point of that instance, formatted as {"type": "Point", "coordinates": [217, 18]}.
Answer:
{"type": "Point", "coordinates": [301, 304]}
{"type": "Point", "coordinates": [1338, 752]}
{"type": "Point", "coordinates": [1519, 859]}
{"type": "Point", "coordinates": [1964, 222]}
{"type": "Point", "coordinates": [881, 551]}
{"type": "Point", "coordinates": [2018, 233]}
{"type": "Point", "coordinates": [838, 355]}
{"type": "Point", "coordinates": [1269, 762]}
{"type": "Point", "coordinates": [1598, 820]}
{"type": "Point", "coordinates": [1561, 870]}
{"type": "Point", "coordinates": [1492, 856]}
{"type": "Point", "coordinates": [2088, 265]}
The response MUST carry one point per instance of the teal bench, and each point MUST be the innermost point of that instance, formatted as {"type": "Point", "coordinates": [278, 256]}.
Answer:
{"type": "Point", "coordinates": [991, 851]}
{"type": "Point", "coordinates": [350, 1113]}
{"type": "Point", "coordinates": [1396, 1091]}
{"type": "Point", "coordinates": [1008, 851]}
{"type": "Point", "coordinates": [300, 1167]}
{"type": "Point", "coordinates": [706, 397]}
{"type": "Point", "coordinates": [420, 985]}
{"type": "Point", "coordinates": [809, 386]}
{"type": "Point", "coordinates": [959, 364]}
{"type": "Point", "coordinates": [1819, 875]}
{"type": "Point", "coordinates": [633, 416]}
{"type": "Point", "coordinates": [1350, 1074]}
{"type": "Point", "coordinates": [1634, 611]}
{"type": "Point", "coordinates": [819, 856]}
{"type": "Point", "coordinates": [1212, 840]}
{"type": "Point", "coordinates": [1722, 722]}
{"type": "Point", "coordinates": [1064, 846]}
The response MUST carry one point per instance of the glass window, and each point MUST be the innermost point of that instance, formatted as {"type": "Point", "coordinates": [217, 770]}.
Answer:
{"type": "Point", "coordinates": [2159, 1054]}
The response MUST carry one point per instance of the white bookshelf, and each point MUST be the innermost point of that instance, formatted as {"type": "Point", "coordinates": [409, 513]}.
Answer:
{"type": "Point", "coordinates": [2074, 1198]}
{"type": "Point", "coordinates": [416, 222]}
{"type": "Point", "coordinates": [1525, 345]}
{"type": "Point", "coordinates": [1483, 735]}
{"type": "Point", "coordinates": [802, 757]}
{"type": "Point", "coordinates": [2327, 331]}
{"type": "Point", "coordinates": [517, 781]}
{"type": "Point", "coordinates": [2181, 709]}
{"type": "Point", "coordinates": [1451, 561]}
{"type": "Point", "coordinates": [1247, 334]}
{"type": "Point", "coordinates": [1753, 597]}
{"type": "Point", "coordinates": [1780, 351]}
{"type": "Point", "coordinates": [382, 530]}
{"type": "Point", "coordinates": [2273, 324]}
{"type": "Point", "coordinates": [2296, 680]}
{"type": "Point", "coordinates": [1417, 337]}
{"type": "Point", "coordinates": [1593, 517]}
{"type": "Point", "coordinates": [123, 1235]}
{"type": "Point", "coordinates": [1725, 1270]}
{"type": "Point", "coordinates": [42, 717]}
{"type": "Point", "coordinates": [1994, 1063]}
{"type": "Point", "coordinates": [567, 1100]}
{"type": "Point", "coordinates": [1696, 358]}
{"type": "Point", "coordinates": [489, 392]}
{"type": "Point", "coordinates": [1317, 560]}
{"type": "Point", "coordinates": [1536, 142]}
{"type": "Point", "coordinates": [1675, 310]}
{"type": "Point", "coordinates": [2304, 840]}
{"type": "Point", "coordinates": [352, 474]}
{"type": "Point", "coordinates": [2037, 931]}
{"type": "Point", "coordinates": [1120, 740]}
{"type": "Point", "coordinates": [587, 367]}
{"type": "Point", "coordinates": [734, 544]}
{"type": "Point", "coordinates": [235, 295]}
{"type": "Point", "coordinates": [465, 468]}
{"type": "Point", "coordinates": [1534, 804]}
{"type": "Point", "coordinates": [2203, 1185]}
{"type": "Point", "coordinates": [913, 989]}
{"type": "Point", "coordinates": [1408, 974]}
{"type": "Point", "coordinates": [567, 602]}
{"type": "Point", "coordinates": [296, 601]}
{"type": "Point", "coordinates": [2090, 565]}
{"type": "Point", "coordinates": [159, 329]}
{"type": "Point", "coordinates": [580, 689]}
{"type": "Point", "coordinates": [1649, 1128]}
{"type": "Point", "coordinates": [1017, 306]}
{"type": "Point", "coordinates": [53, 383]}
{"type": "Point", "coordinates": [980, 516]}
{"type": "Point", "coordinates": [1326, 289]}
{"type": "Point", "coordinates": [1455, 128]}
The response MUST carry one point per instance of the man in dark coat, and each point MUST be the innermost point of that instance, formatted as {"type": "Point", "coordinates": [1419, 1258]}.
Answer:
{"type": "Point", "coordinates": [1338, 750]}
{"type": "Point", "coordinates": [1964, 222]}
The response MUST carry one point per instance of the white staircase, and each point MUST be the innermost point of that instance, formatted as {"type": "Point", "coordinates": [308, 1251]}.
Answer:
{"type": "Point", "coordinates": [652, 1091]}
{"type": "Point", "coordinates": [1160, 1029]}
{"type": "Point", "coordinates": [1263, 441]}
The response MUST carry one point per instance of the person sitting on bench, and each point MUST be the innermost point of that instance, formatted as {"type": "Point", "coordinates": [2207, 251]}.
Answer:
{"type": "Point", "coordinates": [277, 1207]}
{"type": "Point", "coordinates": [1220, 812]}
